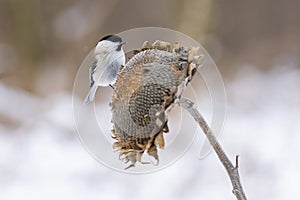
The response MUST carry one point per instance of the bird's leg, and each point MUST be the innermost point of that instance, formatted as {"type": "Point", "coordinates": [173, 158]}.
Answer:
{"type": "Point", "coordinates": [111, 86]}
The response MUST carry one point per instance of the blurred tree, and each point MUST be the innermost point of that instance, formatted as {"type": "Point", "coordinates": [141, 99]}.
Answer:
{"type": "Point", "coordinates": [26, 22]}
{"type": "Point", "coordinates": [195, 18]}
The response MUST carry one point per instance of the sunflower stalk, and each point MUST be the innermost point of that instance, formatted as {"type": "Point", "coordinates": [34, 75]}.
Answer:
{"type": "Point", "coordinates": [232, 170]}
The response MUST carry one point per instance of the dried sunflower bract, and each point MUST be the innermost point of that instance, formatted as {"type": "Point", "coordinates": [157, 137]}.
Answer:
{"type": "Point", "coordinates": [145, 91]}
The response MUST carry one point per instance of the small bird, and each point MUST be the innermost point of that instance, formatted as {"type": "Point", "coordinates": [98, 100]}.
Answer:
{"type": "Point", "coordinates": [109, 57]}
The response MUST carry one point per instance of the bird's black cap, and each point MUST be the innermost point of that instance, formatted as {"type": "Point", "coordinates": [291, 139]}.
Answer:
{"type": "Point", "coordinates": [112, 38]}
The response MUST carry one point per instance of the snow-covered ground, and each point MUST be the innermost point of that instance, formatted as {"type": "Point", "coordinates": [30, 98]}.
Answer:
{"type": "Point", "coordinates": [42, 158]}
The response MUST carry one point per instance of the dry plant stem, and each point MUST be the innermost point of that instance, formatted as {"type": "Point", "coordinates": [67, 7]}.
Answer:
{"type": "Point", "coordinates": [230, 168]}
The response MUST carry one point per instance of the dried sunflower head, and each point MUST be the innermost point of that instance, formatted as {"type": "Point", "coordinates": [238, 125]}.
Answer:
{"type": "Point", "coordinates": [145, 91]}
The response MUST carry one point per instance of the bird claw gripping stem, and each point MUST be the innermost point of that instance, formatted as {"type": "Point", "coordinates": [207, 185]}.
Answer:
{"type": "Point", "coordinates": [146, 89]}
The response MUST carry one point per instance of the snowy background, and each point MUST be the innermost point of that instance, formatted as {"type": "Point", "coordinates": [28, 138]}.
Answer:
{"type": "Point", "coordinates": [255, 45]}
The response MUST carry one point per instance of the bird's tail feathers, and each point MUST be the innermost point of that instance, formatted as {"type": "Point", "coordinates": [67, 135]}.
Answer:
{"type": "Point", "coordinates": [91, 95]}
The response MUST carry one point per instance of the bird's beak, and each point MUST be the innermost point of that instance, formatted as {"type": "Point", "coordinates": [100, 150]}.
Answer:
{"type": "Point", "coordinates": [122, 43]}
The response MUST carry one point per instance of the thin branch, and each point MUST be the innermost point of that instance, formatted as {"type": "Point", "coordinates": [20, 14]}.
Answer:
{"type": "Point", "coordinates": [232, 170]}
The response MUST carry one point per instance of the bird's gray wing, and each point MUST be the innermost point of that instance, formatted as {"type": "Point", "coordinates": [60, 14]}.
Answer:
{"type": "Point", "coordinates": [92, 71]}
{"type": "Point", "coordinates": [113, 69]}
